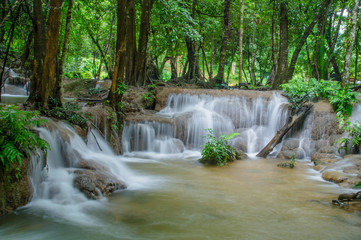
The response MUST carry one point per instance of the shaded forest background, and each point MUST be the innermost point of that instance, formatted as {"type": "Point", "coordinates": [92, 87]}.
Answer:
{"type": "Point", "coordinates": [133, 42]}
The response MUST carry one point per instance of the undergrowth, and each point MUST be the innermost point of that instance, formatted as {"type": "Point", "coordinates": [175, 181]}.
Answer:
{"type": "Point", "coordinates": [17, 137]}
{"type": "Point", "coordinates": [217, 151]}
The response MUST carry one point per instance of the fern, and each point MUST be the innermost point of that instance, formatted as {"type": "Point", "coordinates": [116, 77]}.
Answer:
{"type": "Point", "coordinates": [16, 136]}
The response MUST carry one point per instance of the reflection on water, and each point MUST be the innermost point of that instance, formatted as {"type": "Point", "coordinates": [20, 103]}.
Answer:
{"type": "Point", "coordinates": [250, 199]}
{"type": "Point", "coordinates": [12, 99]}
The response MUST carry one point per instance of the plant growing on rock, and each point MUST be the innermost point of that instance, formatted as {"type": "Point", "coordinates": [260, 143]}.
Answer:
{"type": "Point", "coordinates": [17, 137]}
{"type": "Point", "coordinates": [217, 151]}
{"type": "Point", "coordinates": [289, 164]}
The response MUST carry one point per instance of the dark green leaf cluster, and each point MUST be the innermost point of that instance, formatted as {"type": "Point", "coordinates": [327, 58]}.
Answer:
{"type": "Point", "coordinates": [299, 92]}
{"type": "Point", "coordinates": [16, 135]}
{"type": "Point", "coordinates": [71, 113]}
{"type": "Point", "coordinates": [342, 99]}
{"type": "Point", "coordinates": [217, 151]}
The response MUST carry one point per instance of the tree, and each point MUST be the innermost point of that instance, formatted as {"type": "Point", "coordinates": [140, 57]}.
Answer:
{"type": "Point", "coordinates": [225, 38]}
{"type": "Point", "coordinates": [241, 43]}
{"type": "Point", "coordinates": [47, 83]}
{"type": "Point", "coordinates": [350, 43]}
{"type": "Point", "coordinates": [282, 67]}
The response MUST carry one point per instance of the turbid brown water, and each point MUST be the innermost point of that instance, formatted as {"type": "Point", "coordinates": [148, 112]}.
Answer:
{"type": "Point", "coordinates": [182, 199]}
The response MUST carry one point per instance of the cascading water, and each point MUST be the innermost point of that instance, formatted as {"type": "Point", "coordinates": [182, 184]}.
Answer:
{"type": "Point", "coordinates": [256, 119]}
{"type": "Point", "coordinates": [53, 185]}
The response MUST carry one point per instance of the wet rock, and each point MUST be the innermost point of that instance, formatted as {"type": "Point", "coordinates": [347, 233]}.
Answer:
{"type": "Point", "coordinates": [334, 176]}
{"type": "Point", "coordinates": [14, 192]}
{"type": "Point", "coordinates": [324, 157]}
{"type": "Point", "coordinates": [239, 143]}
{"type": "Point", "coordinates": [287, 154]}
{"type": "Point", "coordinates": [291, 144]}
{"type": "Point", "coordinates": [95, 184]}
{"type": "Point", "coordinates": [349, 196]}
{"type": "Point", "coordinates": [240, 155]}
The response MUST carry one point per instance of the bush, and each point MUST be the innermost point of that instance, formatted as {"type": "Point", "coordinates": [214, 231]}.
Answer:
{"type": "Point", "coordinates": [217, 151]}
{"type": "Point", "coordinates": [342, 99]}
{"type": "Point", "coordinates": [16, 136]}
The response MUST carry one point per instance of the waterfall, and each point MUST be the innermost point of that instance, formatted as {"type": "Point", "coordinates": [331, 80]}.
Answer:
{"type": "Point", "coordinates": [53, 178]}
{"type": "Point", "coordinates": [256, 119]}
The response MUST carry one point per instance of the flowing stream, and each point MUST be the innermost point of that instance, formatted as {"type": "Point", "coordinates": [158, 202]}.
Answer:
{"type": "Point", "coordinates": [170, 195]}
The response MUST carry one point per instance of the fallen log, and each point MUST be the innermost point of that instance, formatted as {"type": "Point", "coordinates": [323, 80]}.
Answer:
{"type": "Point", "coordinates": [291, 122]}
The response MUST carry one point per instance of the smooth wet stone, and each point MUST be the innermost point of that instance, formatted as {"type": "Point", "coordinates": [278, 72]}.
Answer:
{"type": "Point", "coordinates": [334, 176]}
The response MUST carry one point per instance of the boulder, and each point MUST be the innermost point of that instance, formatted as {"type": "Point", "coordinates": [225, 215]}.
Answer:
{"type": "Point", "coordinates": [334, 176]}
{"type": "Point", "coordinates": [240, 155]}
{"type": "Point", "coordinates": [94, 183]}
{"type": "Point", "coordinates": [95, 180]}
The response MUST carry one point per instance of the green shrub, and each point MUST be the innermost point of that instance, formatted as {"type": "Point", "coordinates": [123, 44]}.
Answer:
{"type": "Point", "coordinates": [70, 112]}
{"type": "Point", "coordinates": [289, 164]}
{"type": "Point", "coordinates": [342, 99]}
{"type": "Point", "coordinates": [16, 136]}
{"type": "Point", "coordinates": [217, 151]}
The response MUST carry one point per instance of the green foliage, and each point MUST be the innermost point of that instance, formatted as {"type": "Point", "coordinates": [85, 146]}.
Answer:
{"type": "Point", "coordinates": [354, 136]}
{"type": "Point", "coordinates": [70, 112]}
{"type": "Point", "coordinates": [94, 91]}
{"type": "Point", "coordinates": [148, 98]}
{"type": "Point", "coordinates": [290, 164]}
{"type": "Point", "coordinates": [217, 151]}
{"type": "Point", "coordinates": [16, 136]}
{"type": "Point", "coordinates": [121, 88]}
{"type": "Point", "coordinates": [357, 185]}
{"type": "Point", "coordinates": [341, 98]}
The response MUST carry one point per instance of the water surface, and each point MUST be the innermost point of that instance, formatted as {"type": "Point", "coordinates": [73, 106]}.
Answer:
{"type": "Point", "coordinates": [182, 199]}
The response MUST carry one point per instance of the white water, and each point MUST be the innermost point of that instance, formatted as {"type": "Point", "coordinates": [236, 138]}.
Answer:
{"type": "Point", "coordinates": [54, 193]}
{"type": "Point", "coordinates": [257, 120]}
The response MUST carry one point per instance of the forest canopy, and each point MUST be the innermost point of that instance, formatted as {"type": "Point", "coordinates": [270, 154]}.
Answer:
{"type": "Point", "coordinates": [221, 43]}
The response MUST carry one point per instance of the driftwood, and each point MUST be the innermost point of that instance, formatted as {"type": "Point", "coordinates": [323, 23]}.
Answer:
{"type": "Point", "coordinates": [291, 122]}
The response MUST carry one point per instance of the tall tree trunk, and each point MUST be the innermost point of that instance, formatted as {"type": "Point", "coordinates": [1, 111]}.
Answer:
{"type": "Point", "coordinates": [273, 51]}
{"type": "Point", "coordinates": [323, 9]}
{"type": "Point", "coordinates": [142, 54]}
{"type": "Point", "coordinates": [7, 52]}
{"type": "Point", "coordinates": [39, 51]}
{"type": "Point", "coordinates": [331, 45]}
{"type": "Point", "coordinates": [173, 67]}
{"type": "Point", "coordinates": [346, 70]}
{"type": "Point", "coordinates": [282, 67]}
{"type": "Point", "coordinates": [241, 44]}
{"type": "Point", "coordinates": [119, 65]}
{"type": "Point", "coordinates": [131, 44]}
{"type": "Point", "coordinates": [58, 90]}
{"type": "Point", "coordinates": [26, 53]}
{"type": "Point", "coordinates": [47, 82]}
{"type": "Point", "coordinates": [193, 70]}
{"type": "Point", "coordinates": [226, 34]}
{"type": "Point", "coordinates": [357, 51]}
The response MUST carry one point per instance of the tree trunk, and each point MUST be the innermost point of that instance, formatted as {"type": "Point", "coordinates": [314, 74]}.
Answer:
{"type": "Point", "coordinates": [293, 121]}
{"type": "Point", "coordinates": [173, 67]}
{"type": "Point", "coordinates": [323, 9]}
{"type": "Point", "coordinates": [331, 45]}
{"type": "Point", "coordinates": [346, 70]}
{"type": "Point", "coordinates": [119, 66]}
{"type": "Point", "coordinates": [39, 51]}
{"type": "Point", "coordinates": [226, 34]}
{"type": "Point", "coordinates": [241, 44]}
{"type": "Point", "coordinates": [47, 82]}
{"type": "Point", "coordinates": [272, 75]}
{"type": "Point", "coordinates": [282, 67]}
{"type": "Point", "coordinates": [26, 53]}
{"type": "Point", "coordinates": [142, 55]}
{"type": "Point", "coordinates": [357, 51]}
{"type": "Point", "coordinates": [193, 70]}
{"type": "Point", "coordinates": [131, 44]}
{"type": "Point", "coordinates": [58, 90]}
{"type": "Point", "coordinates": [7, 52]}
